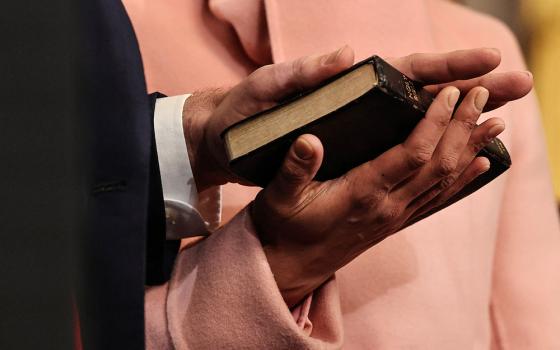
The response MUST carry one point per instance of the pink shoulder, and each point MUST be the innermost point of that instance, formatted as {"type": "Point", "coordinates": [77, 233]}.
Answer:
{"type": "Point", "coordinates": [469, 28]}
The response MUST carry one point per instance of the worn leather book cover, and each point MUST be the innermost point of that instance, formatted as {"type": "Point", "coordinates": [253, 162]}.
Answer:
{"type": "Point", "coordinates": [356, 132]}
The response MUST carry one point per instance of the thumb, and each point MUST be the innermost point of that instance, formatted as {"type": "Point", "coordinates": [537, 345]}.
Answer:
{"type": "Point", "coordinates": [298, 169]}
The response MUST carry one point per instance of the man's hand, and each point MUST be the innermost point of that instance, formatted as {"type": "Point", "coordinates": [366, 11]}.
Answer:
{"type": "Point", "coordinates": [208, 113]}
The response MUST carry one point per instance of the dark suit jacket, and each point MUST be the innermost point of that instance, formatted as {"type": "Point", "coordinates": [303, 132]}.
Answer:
{"type": "Point", "coordinates": [125, 215]}
{"type": "Point", "coordinates": [83, 186]}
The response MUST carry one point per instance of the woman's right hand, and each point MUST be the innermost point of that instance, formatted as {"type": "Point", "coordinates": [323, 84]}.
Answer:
{"type": "Point", "coordinates": [310, 229]}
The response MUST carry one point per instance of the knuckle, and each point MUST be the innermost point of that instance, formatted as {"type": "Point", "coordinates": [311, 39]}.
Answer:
{"type": "Point", "coordinates": [419, 156]}
{"type": "Point", "coordinates": [442, 122]}
{"type": "Point", "coordinates": [369, 201]}
{"type": "Point", "coordinates": [389, 213]}
{"type": "Point", "coordinates": [297, 72]}
{"type": "Point", "coordinates": [432, 193]}
{"type": "Point", "coordinates": [445, 166]}
{"type": "Point", "coordinates": [447, 182]}
{"type": "Point", "coordinates": [468, 125]}
{"type": "Point", "coordinates": [293, 173]}
{"type": "Point", "coordinates": [297, 66]}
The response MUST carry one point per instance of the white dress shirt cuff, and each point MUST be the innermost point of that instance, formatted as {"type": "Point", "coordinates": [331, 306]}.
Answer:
{"type": "Point", "coordinates": [179, 188]}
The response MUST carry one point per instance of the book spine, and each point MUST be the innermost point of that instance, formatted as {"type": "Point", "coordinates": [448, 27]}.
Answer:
{"type": "Point", "coordinates": [496, 151]}
{"type": "Point", "coordinates": [401, 87]}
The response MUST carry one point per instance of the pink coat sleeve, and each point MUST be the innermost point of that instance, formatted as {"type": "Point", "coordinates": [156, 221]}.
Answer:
{"type": "Point", "coordinates": [525, 301]}
{"type": "Point", "coordinates": [222, 295]}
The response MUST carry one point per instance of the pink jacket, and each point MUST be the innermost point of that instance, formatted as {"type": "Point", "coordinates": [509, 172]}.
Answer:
{"type": "Point", "coordinates": [484, 273]}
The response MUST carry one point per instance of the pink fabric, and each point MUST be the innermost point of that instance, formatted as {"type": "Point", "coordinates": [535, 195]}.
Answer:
{"type": "Point", "coordinates": [301, 315]}
{"type": "Point", "coordinates": [481, 274]}
{"type": "Point", "coordinates": [222, 295]}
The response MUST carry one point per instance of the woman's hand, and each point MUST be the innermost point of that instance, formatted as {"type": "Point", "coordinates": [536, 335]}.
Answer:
{"type": "Point", "coordinates": [310, 229]}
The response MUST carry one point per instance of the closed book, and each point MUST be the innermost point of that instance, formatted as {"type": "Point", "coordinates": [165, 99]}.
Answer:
{"type": "Point", "coordinates": [358, 114]}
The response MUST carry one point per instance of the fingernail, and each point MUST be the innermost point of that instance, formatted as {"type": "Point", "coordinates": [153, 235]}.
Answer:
{"type": "Point", "coordinates": [529, 74]}
{"type": "Point", "coordinates": [333, 57]}
{"type": "Point", "coordinates": [453, 97]}
{"type": "Point", "coordinates": [303, 149]}
{"type": "Point", "coordinates": [495, 50]}
{"type": "Point", "coordinates": [486, 165]}
{"type": "Point", "coordinates": [481, 99]}
{"type": "Point", "coordinates": [495, 131]}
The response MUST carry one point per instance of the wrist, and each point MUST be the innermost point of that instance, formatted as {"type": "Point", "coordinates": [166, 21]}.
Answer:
{"type": "Point", "coordinates": [296, 275]}
{"type": "Point", "coordinates": [298, 268]}
{"type": "Point", "coordinates": [196, 113]}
